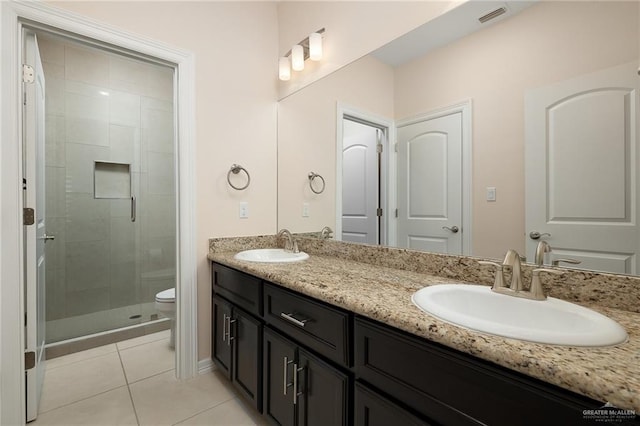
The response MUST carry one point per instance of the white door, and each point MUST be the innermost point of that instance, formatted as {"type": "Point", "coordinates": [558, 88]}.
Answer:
{"type": "Point", "coordinates": [360, 183]}
{"type": "Point", "coordinates": [430, 185]}
{"type": "Point", "coordinates": [35, 235]}
{"type": "Point", "coordinates": [582, 169]}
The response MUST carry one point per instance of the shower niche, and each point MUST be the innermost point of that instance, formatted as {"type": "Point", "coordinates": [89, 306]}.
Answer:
{"type": "Point", "coordinates": [111, 180]}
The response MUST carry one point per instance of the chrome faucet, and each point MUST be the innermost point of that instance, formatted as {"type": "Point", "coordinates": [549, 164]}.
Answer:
{"type": "Point", "coordinates": [542, 248]}
{"type": "Point", "coordinates": [325, 233]}
{"type": "Point", "coordinates": [290, 245]}
{"type": "Point", "coordinates": [512, 261]}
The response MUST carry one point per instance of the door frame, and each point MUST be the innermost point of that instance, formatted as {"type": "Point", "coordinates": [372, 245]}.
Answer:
{"type": "Point", "coordinates": [465, 109]}
{"type": "Point", "coordinates": [388, 170]}
{"type": "Point", "coordinates": [12, 15]}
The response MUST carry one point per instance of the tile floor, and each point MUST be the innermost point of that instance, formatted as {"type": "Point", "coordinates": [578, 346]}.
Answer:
{"type": "Point", "coordinates": [133, 383]}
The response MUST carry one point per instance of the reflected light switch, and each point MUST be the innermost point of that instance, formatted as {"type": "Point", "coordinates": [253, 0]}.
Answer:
{"type": "Point", "coordinates": [491, 193]}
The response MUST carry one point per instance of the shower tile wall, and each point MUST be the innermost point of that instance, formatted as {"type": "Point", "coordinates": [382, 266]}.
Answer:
{"type": "Point", "coordinates": [103, 268]}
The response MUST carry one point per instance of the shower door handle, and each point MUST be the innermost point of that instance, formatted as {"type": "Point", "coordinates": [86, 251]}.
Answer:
{"type": "Point", "coordinates": [133, 208]}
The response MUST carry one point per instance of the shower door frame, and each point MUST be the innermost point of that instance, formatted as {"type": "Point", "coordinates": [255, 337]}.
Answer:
{"type": "Point", "coordinates": [12, 17]}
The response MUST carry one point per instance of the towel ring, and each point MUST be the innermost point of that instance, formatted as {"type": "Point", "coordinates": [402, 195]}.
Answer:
{"type": "Point", "coordinates": [235, 169]}
{"type": "Point", "coordinates": [312, 177]}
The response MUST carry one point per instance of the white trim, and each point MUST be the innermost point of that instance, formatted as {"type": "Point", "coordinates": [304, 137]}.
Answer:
{"type": "Point", "coordinates": [465, 108]}
{"type": "Point", "coordinates": [206, 366]}
{"type": "Point", "coordinates": [12, 402]}
{"type": "Point", "coordinates": [388, 190]}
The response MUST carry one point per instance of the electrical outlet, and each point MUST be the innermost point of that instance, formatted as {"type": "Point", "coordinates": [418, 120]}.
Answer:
{"type": "Point", "coordinates": [305, 209]}
{"type": "Point", "coordinates": [244, 210]}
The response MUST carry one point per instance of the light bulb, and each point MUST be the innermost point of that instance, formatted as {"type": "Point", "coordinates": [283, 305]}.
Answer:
{"type": "Point", "coordinates": [315, 46]}
{"type": "Point", "coordinates": [297, 58]}
{"type": "Point", "coordinates": [284, 72]}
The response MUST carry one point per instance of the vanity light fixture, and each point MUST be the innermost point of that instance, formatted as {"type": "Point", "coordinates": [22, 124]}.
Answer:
{"type": "Point", "coordinates": [284, 71]}
{"type": "Point", "coordinates": [315, 46]}
{"type": "Point", "coordinates": [309, 48]}
{"type": "Point", "coordinates": [297, 58]}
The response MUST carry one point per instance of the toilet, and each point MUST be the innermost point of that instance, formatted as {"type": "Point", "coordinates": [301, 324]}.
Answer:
{"type": "Point", "coordinates": [166, 305]}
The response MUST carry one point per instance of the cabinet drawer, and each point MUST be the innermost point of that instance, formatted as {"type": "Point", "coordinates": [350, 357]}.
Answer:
{"type": "Point", "coordinates": [450, 387]}
{"type": "Point", "coordinates": [373, 409]}
{"type": "Point", "coordinates": [242, 289]}
{"type": "Point", "coordinates": [320, 327]}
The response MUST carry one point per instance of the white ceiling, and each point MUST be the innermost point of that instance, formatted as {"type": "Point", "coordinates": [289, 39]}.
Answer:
{"type": "Point", "coordinates": [453, 25]}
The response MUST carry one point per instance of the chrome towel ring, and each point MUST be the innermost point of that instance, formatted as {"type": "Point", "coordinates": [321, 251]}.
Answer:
{"type": "Point", "coordinates": [312, 177]}
{"type": "Point", "coordinates": [235, 169]}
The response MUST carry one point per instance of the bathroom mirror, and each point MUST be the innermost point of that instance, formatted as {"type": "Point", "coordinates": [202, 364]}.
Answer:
{"type": "Point", "coordinates": [495, 71]}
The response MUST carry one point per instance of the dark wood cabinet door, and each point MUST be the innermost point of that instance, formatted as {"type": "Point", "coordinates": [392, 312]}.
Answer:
{"type": "Point", "coordinates": [246, 335]}
{"type": "Point", "coordinates": [323, 392]}
{"type": "Point", "coordinates": [279, 357]}
{"type": "Point", "coordinates": [372, 409]}
{"type": "Point", "coordinates": [221, 347]}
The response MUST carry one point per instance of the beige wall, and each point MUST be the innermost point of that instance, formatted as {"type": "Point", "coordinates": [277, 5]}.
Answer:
{"type": "Point", "coordinates": [353, 29]}
{"type": "Point", "coordinates": [307, 138]}
{"type": "Point", "coordinates": [235, 47]}
{"type": "Point", "coordinates": [548, 42]}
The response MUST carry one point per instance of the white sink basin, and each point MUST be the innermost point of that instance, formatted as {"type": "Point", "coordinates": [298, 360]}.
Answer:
{"type": "Point", "coordinates": [551, 321]}
{"type": "Point", "coordinates": [270, 255]}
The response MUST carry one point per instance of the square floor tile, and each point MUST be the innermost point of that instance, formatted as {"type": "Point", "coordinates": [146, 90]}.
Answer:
{"type": "Point", "coordinates": [80, 380]}
{"type": "Point", "coordinates": [147, 338]}
{"type": "Point", "coordinates": [147, 360]}
{"type": "Point", "coordinates": [233, 412]}
{"type": "Point", "coordinates": [80, 356]}
{"type": "Point", "coordinates": [164, 400]}
{"type": "Point", "coordinates": [110, 408]}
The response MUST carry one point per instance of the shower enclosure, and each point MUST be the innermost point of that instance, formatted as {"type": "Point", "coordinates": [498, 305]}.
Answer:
{"type": "Point", "coordinates": [109, 185]}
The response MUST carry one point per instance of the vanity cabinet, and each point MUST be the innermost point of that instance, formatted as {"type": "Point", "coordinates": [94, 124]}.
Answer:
{"type": "Point", "coordinates": [237, 334]}
{"type": "Point", "coordinates": [449, 387]}
{"type": "Point", "coordinates": [301, 361]}
{"type": "Point", "coordinates": [301, 388]}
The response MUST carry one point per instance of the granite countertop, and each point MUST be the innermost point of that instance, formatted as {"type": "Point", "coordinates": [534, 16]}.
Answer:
{"type": "Point", "coordinates": [610, 374]}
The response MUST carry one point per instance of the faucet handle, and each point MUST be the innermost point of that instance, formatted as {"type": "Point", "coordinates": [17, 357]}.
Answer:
{"type": "Point", "coordinates": [536, 290]}
{"type": "Point", "coordinates": [499, 280]}
{"type": "Point", "coordinates": [295, 248]}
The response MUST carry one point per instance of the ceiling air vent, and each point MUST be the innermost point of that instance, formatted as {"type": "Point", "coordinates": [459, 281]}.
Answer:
{"type": "Point", "coordinates": [493, 14]}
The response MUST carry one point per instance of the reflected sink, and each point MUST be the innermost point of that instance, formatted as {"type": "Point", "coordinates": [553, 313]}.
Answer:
{"type": "Point", "coordinates": [552, 321]}
{"type": "Point", "coordinates": [270, 255]}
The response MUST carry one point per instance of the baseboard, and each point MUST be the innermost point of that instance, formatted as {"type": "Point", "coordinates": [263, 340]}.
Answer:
{"type": "Point", "coordinates": [205, 366]}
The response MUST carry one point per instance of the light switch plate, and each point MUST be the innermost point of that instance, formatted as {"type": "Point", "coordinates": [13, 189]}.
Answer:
{"type": "Point", "coordinates": [244, 210]}
{"type": "Point", "coordinates": [491, 193]}
{"type": "Point", "coordinates": [305, 209]}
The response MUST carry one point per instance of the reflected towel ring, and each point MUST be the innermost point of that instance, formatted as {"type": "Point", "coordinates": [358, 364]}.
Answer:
{"type": "Point", "coordinates": [312, 177]}
{"type": "Point", "coordinates": [235, 169]}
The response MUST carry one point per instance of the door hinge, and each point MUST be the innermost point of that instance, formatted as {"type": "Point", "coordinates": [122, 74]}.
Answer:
{"type": "Point", "coordinates": [395, 147]}
{"type": "Point", "coordinates": [28, 74]}
{"type": "Point", "coordinates": [28, 216]}
{"type": "Point", "coordinates": [24, 184]}
{"type": "Point", "coordinates": [396, 212]}
{"type": "Point", "coordinates": [379, 148]}
{"type": "Point", "coordinates": [29, 360]}
{"type": "Point", "coordinates": [379, 212]}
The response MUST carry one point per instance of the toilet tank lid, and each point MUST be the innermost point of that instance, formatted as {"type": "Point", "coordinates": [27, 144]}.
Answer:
{"type": "Point", "coordinates": [168, 295]}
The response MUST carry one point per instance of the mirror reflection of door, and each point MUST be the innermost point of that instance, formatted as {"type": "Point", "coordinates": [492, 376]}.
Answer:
{"type": "Point", "coordinates": [582, 177]}
{"type": "Point", "coordinates": [361, 178]}
{"type": "Point", "coordinates": [430, 184]}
